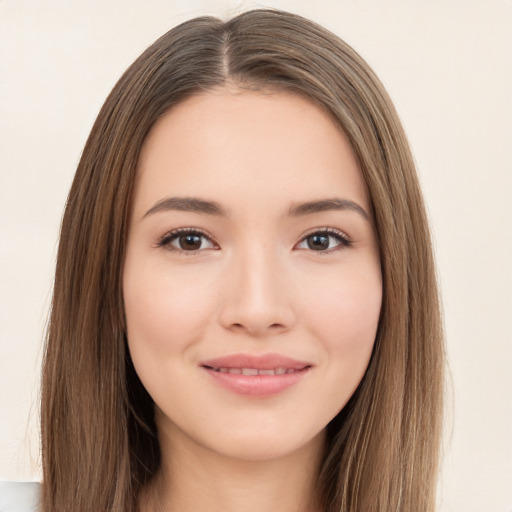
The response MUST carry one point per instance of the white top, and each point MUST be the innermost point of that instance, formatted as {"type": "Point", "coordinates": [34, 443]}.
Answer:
{"type": "Point", "coordinates": [19, 496]}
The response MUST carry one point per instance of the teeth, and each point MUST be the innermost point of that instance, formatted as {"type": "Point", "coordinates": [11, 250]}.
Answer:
{"type": "Point", "coordinates": [255, 371]}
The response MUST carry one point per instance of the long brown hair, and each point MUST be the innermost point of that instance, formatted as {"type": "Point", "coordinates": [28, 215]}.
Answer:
{"type": "Point", "coordinates": [99, 441]}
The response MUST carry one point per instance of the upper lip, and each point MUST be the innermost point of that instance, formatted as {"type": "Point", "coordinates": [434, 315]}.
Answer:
{"type": "Point", "coordinates": [263, 362]}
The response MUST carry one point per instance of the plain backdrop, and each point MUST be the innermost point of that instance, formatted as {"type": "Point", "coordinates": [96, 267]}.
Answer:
{"type": "Point", "coordinates": [448, 67]}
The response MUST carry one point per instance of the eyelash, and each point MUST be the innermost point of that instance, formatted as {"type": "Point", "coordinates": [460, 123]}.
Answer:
{"type": "Point", "coordinates": [340, 236]}
{"type": "Point", "coordinates": [165, 241]}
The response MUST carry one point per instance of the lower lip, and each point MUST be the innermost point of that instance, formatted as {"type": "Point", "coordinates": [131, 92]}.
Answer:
{"type": "Point", "coordinates": [256, 385]}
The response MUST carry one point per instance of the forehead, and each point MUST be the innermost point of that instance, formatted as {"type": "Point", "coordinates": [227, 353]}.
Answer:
{"type": "Point", "coordinates": [240, 145]}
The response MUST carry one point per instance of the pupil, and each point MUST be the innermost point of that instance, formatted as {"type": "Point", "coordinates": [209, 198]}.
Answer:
{"type": "Point", "coordinates": [318, 242]}
{"type": "Point", "coordinates": [190, 242]}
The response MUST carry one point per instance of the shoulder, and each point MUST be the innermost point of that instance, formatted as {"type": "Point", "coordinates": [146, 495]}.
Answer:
{"type": "Point", "coordinates": [19, 496]}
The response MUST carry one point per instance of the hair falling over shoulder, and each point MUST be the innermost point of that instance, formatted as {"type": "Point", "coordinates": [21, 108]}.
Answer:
{"type": "Point", "coordinates": [99, 441]}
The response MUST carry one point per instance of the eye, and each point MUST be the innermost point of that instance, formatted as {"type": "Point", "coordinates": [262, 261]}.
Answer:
{"type": "Point", "coordinates": [187, 240]}
{"type": "Point", "coordinates": [324, 240]}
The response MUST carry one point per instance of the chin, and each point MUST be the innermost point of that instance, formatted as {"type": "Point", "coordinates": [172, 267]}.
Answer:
{"type": "Point", "coordinates": [266, 448]}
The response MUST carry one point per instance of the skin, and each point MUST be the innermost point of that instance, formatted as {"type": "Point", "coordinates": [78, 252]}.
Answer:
{"type": "Point", "coordinates": [253, 285]}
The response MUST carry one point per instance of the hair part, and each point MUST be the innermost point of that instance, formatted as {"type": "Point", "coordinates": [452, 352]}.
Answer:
{"type": "Point", "coordinates": [99, 440]}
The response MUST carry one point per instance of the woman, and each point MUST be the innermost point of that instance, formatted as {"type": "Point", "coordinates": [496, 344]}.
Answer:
{"type": "Point", "coordinates": [245, 310]}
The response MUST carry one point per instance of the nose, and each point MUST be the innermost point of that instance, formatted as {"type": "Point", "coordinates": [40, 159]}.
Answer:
{"type": "Point", "coordinates": [256, 296]}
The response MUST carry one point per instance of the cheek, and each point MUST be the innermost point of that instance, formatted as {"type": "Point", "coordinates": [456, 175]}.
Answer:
{"type": "Point", "coordinates": [165, 311]}
{"type": "Point", "coordinates": [344, 315]}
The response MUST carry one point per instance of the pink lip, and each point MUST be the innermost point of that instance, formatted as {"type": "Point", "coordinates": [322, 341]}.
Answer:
{"type": "Point", "coordinates": [256, 385]}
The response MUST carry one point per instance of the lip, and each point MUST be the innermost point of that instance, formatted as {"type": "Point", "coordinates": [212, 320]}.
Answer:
{"type": "Point", "coordinates": [256, 385]}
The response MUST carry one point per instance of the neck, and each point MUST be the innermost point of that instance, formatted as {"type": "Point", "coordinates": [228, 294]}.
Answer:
{"type": "Point", "coordinates": [196, 478]}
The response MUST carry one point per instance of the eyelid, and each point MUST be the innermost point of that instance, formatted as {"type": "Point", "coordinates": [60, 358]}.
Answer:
{"type": "Point", "coordinates": [344, 239]}
{"type": "Point", "coordinates": [164, 241]}
{"type": "Point", "coordinates": [325, 229]}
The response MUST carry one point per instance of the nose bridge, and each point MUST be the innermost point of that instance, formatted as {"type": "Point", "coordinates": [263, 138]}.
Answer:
{"type": "Point", "coordinates": [257, 296]}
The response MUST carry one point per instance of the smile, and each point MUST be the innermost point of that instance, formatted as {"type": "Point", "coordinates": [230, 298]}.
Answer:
{"type": "Point", "coordinates": [255, 371]}
{"type": "Point", "coordinates": [256, 376]}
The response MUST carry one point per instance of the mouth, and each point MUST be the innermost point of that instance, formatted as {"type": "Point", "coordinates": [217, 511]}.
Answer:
{"type": "Point", "coordinates": [256, 376]}
{"type": "Point", "coordinates": [254, 371]}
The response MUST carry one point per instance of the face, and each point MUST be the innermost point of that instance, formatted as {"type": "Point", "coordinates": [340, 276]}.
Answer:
{"type": "Point", "coordinates": [252, 281]}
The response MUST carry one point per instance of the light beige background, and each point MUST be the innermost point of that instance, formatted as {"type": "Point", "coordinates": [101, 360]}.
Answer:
{"type": "Point", "coordinates": [448, 67]}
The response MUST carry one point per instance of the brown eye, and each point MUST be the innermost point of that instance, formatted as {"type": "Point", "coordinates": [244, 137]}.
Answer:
{"type": "Point", "coordinates": [186, 240]}
{"type": "Point", "coordinates": [318, 242]}
{"type": "Point", "coordinates": [325, 240]}
{"type": "Point", "coordinates": [190, 242]}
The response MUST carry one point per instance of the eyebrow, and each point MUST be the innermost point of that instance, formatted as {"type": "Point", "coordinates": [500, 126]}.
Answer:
{"type": "Point", "coordinates": [196, 205]}
{"type": "Point", "coordinates": [324, 205]}
{"type": "Point", "coordinates": [188, 204]}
